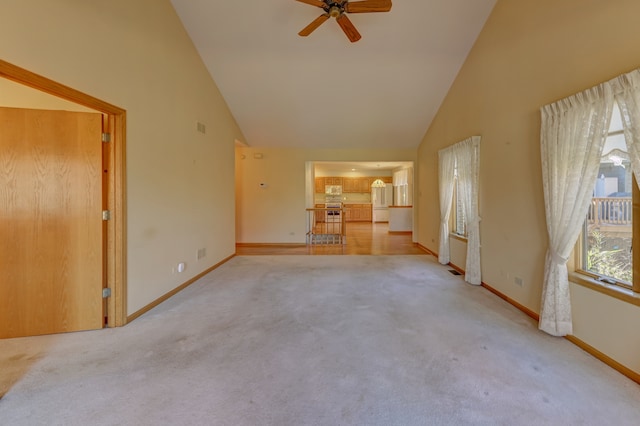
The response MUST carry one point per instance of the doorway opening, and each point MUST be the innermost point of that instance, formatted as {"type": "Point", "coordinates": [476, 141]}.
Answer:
{"type": "Point", "coordinates": [369, 193]}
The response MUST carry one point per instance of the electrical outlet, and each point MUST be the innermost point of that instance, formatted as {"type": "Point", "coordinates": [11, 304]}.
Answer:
{"type": "Point", "coordinates": [518, 281]}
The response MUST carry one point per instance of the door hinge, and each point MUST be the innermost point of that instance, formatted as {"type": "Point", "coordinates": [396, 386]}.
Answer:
{"type": "Point", "coordinates": [106, 137]}
{"type": "Point", "coordinates": [106, 292]}
{"type": "Point", "coordinates": [106, 215]}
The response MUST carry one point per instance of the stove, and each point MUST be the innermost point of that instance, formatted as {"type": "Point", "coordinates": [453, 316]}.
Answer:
{"type": "Point", "coordinates": [335, 212]}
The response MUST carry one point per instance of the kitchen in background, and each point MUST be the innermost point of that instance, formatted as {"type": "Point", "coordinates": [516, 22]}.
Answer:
{"type": "Point", "coordinates": [364, 190]}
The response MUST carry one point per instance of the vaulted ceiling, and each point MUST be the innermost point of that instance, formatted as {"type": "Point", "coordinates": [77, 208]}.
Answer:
{"type": "Point", "coordinates": [322, 91]}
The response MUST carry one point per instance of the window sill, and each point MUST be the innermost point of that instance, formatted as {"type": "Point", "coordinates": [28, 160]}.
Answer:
{"type": "Point", "coordinates": [612, 290]}
{"type": "Point", "coordinates": [458, 237]}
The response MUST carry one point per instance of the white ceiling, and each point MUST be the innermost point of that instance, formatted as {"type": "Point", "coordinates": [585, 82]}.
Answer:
{"type": "Point", "coordinates": [322, 91]}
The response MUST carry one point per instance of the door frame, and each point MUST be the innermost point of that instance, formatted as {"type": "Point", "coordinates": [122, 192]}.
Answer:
{"type": "Point", "coordinates": [114, 193]}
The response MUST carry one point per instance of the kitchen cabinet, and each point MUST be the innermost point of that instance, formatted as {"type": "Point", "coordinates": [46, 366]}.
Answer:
{"type": "Point", "coordinates": [321, 182]}
{"type": "Point", "coordinates": [364, 185]}
{"type": "Point", "coordinates": [355, 184]}
{"type": "Point", "coordinates": [333, 181]}
{"type": "Point", "coordinates": [361, 185]}
{"type": "Point", "coordinates": [350, 184]}
{"type": "Point", "coordinates": [365, 213]}
{"type": "Point", "coordinates": [357, 212]}
{"type": "Point", "coordinates": [348, 212]}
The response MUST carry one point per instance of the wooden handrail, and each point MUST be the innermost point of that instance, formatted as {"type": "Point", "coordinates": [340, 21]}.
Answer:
{"type": "Point", "coordinates": [322, 230]}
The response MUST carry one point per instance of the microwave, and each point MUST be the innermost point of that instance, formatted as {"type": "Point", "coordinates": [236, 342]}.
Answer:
{"type": "Point", "coordinates": [333, 189]}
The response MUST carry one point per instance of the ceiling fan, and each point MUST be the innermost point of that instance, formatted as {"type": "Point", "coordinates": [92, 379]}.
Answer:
{"type": "Point", "coordinates": [338, 9]}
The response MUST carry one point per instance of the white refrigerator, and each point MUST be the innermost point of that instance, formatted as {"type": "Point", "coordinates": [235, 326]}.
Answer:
{"type": "Point", "coordinates": [381, 199]}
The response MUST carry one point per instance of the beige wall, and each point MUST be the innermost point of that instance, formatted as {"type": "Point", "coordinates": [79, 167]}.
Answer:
{"type": "Point", "coordinates": [276, 213]}
{"type": "Point", "coordinates": [136, 55]}
{"type": "Point", "coordinates": [529, 54]}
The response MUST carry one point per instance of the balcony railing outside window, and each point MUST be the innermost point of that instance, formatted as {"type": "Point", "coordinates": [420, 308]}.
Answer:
{"type": "Point", "coordinates": [610, 211]}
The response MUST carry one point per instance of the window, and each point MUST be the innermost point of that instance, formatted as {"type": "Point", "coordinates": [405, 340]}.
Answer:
{"type": "Point", "coordinates": [457, 211]}
{"type": "Point", "coordinates": [402, 180]}
{"type": "Point", "coordinates": [606, 244]}
{"type": "Point", "coordinates": [464, 155]}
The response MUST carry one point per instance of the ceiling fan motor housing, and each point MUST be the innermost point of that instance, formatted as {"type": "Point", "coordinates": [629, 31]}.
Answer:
{"type": "Point", "coordinates": [335, 8]}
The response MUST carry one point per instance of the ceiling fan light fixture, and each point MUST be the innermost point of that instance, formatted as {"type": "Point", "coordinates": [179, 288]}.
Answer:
{"type": "Point", "coordinates": [335, 11]}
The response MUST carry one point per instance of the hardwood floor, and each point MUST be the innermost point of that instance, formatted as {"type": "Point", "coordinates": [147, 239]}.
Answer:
{"type": "Point", "coordinates": [362, 238]}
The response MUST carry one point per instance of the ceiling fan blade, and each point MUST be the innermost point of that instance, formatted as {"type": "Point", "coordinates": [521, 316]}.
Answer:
{"type": "Point", "coordinates": [317, 3]}
{"type": "Point", "coordinates": [313, 25]}
{"type": "Point", "coordinates": [368, 6]}
{"type": "Point", "coordinates": [348, 28]}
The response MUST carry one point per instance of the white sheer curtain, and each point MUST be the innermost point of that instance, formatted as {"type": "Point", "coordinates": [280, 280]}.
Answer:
{"type": "Point", "coordinates": [467, 154]}
{"type": "Point", "coordinates": [572, 136]}
{"type": "Point", "coordinates": [446, 166]}
{"type": "Point", "coordinates": [627, 94]}
{"type": "Point", "coordinates": [401, 177]}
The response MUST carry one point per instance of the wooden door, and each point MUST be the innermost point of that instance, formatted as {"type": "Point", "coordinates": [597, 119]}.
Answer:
{"type": "Point", "coordinates": [51, 233]}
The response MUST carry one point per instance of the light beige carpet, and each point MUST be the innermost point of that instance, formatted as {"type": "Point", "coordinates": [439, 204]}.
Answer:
{"type": "Point", "coordinates": [316, 340]}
